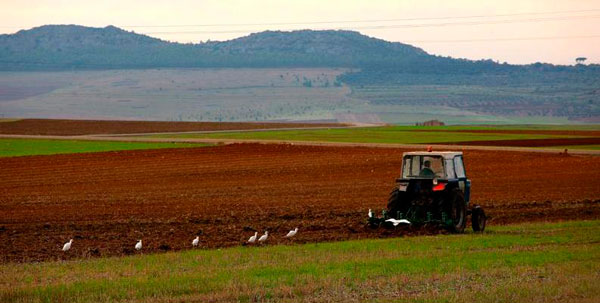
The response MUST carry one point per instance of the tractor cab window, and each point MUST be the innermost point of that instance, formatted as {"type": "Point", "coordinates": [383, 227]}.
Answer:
{"type": "Point", "coordinates": [423, 167]}
{"type": "Point", "coordinates": [459, 167]}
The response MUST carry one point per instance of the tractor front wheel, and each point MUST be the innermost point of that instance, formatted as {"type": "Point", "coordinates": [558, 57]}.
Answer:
{"type": "Point", "coordinates": [478, 219]}
{"type": "Point", "coordinates": [458, 212]}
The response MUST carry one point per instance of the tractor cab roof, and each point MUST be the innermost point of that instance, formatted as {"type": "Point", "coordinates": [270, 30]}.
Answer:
{"type": "Point", "coordinates": [445, 155]}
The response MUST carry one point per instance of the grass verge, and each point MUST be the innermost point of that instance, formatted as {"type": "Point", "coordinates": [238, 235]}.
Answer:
{"type": "Point", "coordinates": [519, 263]}
{"type": "Point", "coordinates": [389, 134]}
{"type": "Point", "coordinates": [28, 147]}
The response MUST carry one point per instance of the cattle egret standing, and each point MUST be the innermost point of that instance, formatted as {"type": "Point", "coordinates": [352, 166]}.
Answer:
{"type": "Point", "coordinates": [138, 245]}
{"type": "Point", "coordinates": [370, 213]}
{"type": "Point", "coordinates": [196, 241]}
{"type": "Point", "coordinates": [264, 237]}
{"type": "Point", "coordinates": [253, 238]}
{"type": "Point", "coordinates": [397, 222]}
{"type": "Point", "coordinates": [67, 245]}
{"type": "Point", "coordinates": [292, 233]}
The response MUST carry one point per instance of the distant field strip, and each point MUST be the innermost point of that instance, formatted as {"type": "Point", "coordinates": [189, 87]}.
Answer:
{"type": "Point", "coordinates": [553, 142]}
{"type": "Point", "coordinates": [29, 147]}
{"type": "Point", "coordinates": [586, 147]}
{"type": "Point", "coordinates": [56, 127]}
{"type": "Point", "coordinates": [519, 263]}
{"type": "Point", "coordinates": [393, 134]}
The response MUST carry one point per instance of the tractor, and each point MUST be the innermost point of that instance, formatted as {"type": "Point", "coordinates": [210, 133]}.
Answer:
{"type": "Point", "coordinates": [433, 190]}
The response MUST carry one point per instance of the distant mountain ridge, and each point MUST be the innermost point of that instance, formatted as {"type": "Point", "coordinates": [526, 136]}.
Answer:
{"type": "Point", "coordinates": [54, 37]}
{"type": "Point", "coordinates": [387, 75]}
{"type": "Point", "coordinates": [324, 42]}
{"type": "Point", "coordinates": [73, 46]}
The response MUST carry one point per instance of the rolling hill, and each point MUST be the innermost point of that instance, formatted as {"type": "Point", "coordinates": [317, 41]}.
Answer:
{"type": "Point", "coordinates": [77, 47]}
{"type": "Point", "coordinates": [72, 47]}
{"type": "Point", "coordinates": [397, 81]}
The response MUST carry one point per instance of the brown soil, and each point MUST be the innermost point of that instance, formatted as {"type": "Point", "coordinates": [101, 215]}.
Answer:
{"type": "Point", "coordinates": [107, 201]}
{"type": "Point", "coordinates": [89, 127]}
{"type": "Point", "coordinates": [532, 142]}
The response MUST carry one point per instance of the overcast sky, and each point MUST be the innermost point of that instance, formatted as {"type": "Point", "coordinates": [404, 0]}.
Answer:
{"type": "Point", "coordinates": [515, 31]}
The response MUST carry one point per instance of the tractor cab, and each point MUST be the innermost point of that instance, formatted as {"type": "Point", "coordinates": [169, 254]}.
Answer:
{"type": "Point", "coordinates": [440, 170]}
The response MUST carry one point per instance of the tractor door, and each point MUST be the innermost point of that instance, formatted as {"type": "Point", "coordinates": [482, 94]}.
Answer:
{"type": "Point", "coordinates": [463, 183]}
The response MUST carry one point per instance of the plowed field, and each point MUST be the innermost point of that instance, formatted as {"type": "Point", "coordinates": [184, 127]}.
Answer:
{"type": "Point", "coordinates": [107, 201]}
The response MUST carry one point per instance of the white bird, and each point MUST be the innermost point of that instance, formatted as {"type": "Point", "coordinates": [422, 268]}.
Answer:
{"type": "Point", "coordinates": [292, 233]}
{"type": "Point", "coordinates": [370, 213]}
{"type": "Point", "coordinates": [138, 245]}
{"type": "Point", "coordinates": [264, 237]}
{"type": "Point", "coordinates": [397, 222]}
{"type": "Point", "coordinates": [196, 241]}
{"type": "Point", "coordinates": [67, 245]}
{"type": "Point", "coordinates": [253, 238]}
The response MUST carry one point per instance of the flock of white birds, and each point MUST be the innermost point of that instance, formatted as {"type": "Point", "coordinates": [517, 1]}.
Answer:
{"type": "Point", "coordinates": [196, 241]}
{"type": "Point", "coordinates": [263, 238]}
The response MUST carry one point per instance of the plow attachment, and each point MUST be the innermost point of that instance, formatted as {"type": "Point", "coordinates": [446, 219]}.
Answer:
{"type": "Point", "coordinates": [401, 219]}
{"type": "Point", "coordinates": [414, 217]}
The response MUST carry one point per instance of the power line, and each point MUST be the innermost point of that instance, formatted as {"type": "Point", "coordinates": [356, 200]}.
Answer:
{"type": "Point", "coordinates": [503, 39]}
{"type": "Point", "coordinates": [353, 21]}
{"type": "Point", "coordinates": [366, 21]}
{"type": "Point", "coordinates": [398, 25]}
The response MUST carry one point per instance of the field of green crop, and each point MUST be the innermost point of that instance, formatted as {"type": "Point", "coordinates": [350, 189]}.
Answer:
{"type": "Point", "coordinates": [28, 147]}
{"type": "Point", "coordinates": [538, 262]}
{"type": "Point", "coordinates": [388, 134]}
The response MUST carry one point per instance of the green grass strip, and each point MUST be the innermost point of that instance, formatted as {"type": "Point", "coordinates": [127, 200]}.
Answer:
{"type": "Point", "coordinates": [28, 147]}
{"type": "Point", "coordinates": [389, 134]}
{"type": "Point", "coordinates": [528, 261]}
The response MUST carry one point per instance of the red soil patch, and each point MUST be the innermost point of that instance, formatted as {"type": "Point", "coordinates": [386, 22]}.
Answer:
{"type": "Point", "coordinates": [532, 142]}
{"type": "Point", "coordinates": [106, 201]}
{"type": "Point", "coordinates": [88, 127]}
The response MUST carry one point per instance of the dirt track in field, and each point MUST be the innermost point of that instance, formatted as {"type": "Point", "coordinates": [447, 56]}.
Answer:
{"type": "Point", "coordinates": [531, 142]}
{"type": "Point", "coordinates": [583, 133]}
{"type": "Point", "coordinates": [106, 201]}
{"type": "Point", "coordinates": [58, 127]}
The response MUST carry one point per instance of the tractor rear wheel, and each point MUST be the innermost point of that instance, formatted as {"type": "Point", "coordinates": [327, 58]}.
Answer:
{"type": "Point", "coordinates": [396, 204]}
{"type": "Point", "coordinates": [478, 219]}
{"type": "Point", "coordinates": [458, 212]}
